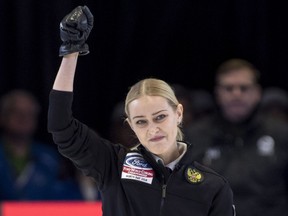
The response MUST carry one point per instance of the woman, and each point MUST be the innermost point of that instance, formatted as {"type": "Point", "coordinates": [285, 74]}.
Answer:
{"type": "Point", "coordinates": [158, 177]}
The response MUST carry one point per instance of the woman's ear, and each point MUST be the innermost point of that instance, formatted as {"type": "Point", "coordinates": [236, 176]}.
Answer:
{"type": "Point", "coordinates": [179, 112]}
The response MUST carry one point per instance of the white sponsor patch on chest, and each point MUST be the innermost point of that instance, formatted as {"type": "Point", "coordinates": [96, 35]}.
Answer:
{"type": "Point", "coordinates": [136, 168]}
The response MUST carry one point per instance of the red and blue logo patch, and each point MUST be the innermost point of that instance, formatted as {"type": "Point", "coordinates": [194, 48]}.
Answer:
{"type": "Point", "coordinates": [135, 167]}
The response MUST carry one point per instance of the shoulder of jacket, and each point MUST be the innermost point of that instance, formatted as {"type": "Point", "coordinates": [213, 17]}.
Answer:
{"type": "Point", "coordinates": [204, 169]}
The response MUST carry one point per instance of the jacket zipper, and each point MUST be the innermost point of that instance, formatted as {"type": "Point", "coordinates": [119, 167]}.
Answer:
{"type": "Point", "coordinates": [164, 188]}
{"type": "Point", "coordinates": [163, 192]}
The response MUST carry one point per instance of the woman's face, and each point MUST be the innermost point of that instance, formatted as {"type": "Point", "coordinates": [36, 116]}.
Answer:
{"type": "Point", "coordinates": [155, 124]}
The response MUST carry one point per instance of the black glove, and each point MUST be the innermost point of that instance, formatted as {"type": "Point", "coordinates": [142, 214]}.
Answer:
{"type": "Point", "coordinates": [75, 28]}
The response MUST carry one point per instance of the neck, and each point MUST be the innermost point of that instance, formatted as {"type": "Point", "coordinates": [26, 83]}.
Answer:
{"type": "Point", "coordinates": [171, 156]}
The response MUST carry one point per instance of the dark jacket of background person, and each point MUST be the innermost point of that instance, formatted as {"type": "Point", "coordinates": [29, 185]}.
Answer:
{"type": "Point", "coordinates": [251, 151]}
{"type": "Point", "coordinates": [106, 162]}
{"type": "Point", "coordinates": [252, 156]}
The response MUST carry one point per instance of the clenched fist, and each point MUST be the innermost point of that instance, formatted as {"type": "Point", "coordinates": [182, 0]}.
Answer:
{"type": "Point", "coordinates": [75, 28]}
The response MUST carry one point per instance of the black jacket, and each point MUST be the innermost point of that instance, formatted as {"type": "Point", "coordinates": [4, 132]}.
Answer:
{"type": "Point", "coordinates": [130, 181]}
{"type": "Point", "coordinates": [251, 155]}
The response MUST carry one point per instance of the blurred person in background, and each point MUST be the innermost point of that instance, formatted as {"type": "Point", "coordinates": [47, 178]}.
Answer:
{"type": "Point", "coordinates": [30, 169]}
{"type": "Point", "coordinates": [198, 103]}
{"type": "Point", "coordinates": [202, 104]}
{"type": "Point", "coordinates": [274, 104]}
{"type": "Point", "coordinates": [241, 145]}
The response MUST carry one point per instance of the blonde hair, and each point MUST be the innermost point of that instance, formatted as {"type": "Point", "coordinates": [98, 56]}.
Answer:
{"type": "Point", "coordinates": [153, 87]}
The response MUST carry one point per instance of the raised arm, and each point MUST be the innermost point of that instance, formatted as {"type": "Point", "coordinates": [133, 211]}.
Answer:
{"type": "Point", "coordinates": [75, 140]}
{"type": "Point", "coordinates": [75, 28]}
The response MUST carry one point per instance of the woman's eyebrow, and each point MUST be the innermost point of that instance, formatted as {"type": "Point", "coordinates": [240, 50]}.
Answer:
{"type": "Point", "coordinates": [142, 116]}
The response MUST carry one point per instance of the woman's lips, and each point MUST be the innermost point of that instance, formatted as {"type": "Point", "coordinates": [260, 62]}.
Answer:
{"type": "Point", "coordinates": [155, 139]}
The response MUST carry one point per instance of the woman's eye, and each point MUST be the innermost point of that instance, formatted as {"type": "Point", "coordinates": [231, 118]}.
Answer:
{"type": "Point", "coordinates": [141, 122]}
{"type": "Point", "coordinates": [160, 117]}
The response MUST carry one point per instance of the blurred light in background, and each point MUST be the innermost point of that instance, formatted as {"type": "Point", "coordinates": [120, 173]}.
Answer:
{"type": "Point", "coordinates": [51, 208]}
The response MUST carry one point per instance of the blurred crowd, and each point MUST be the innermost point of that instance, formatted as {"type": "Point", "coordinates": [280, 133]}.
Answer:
{"type": "Point", "coordinates": [30, 168]}
{"type": "Point", "coordinates": [239, 130]}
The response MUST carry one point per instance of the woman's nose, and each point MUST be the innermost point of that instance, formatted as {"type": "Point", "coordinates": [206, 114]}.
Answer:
{"type": "Point", "coordinates": [153, 129]}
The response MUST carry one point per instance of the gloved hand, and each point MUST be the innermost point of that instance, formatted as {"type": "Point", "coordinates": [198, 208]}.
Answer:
{"type": "Point", "coordinates": [75, 28]}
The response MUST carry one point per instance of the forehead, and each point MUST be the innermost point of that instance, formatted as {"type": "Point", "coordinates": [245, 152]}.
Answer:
{"type": "Point", "coordinates": [146, 105]}
{"type": "Point", "coordinates": [243, 75]}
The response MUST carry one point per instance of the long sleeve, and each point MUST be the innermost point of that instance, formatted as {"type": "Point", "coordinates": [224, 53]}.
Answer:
{"type": "Point", "coordinates": [68, 133]}
{"type": "Point", "coordinates": [223, 202]}
{"type": "Point", "coordinates": [60, 110]}
{"type": "Point", "coordinates": [89, 152]}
